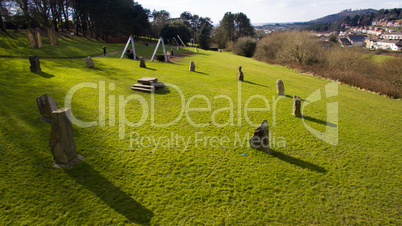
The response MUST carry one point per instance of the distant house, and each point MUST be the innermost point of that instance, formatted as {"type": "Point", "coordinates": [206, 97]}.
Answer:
{"type": "Point", "coordinates": [394, 45]}
{"type": "Point", "coordinates": [356, 40]}
{"type": "Point", "coordinates": [344, 42]}
{"type": "Point", "coordinates": [371, 43]}
{"type": "Point", "coordinates": [392, 36]}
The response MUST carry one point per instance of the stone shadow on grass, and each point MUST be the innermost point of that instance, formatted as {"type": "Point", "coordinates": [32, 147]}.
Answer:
{"type": "Point", "coordinates": [298, 162]}
{"type": "Point", "coordinates": [105, 190]}
{"type": "Point", "coordinates": [44, 74]}
{"type": "Point", "coordinates": [199, 72]}
{"type": "Point", "coordinates": [253, 83]}
{"type": "Point", "coordinates": [318, 121]}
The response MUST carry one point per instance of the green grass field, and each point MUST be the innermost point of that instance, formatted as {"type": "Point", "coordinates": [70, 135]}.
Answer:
{"type": "Point", "coordinates": [203, 175]}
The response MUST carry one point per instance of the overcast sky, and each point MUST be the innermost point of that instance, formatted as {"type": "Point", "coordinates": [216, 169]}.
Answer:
{"type": "Point", "coordinates": [266, 11]}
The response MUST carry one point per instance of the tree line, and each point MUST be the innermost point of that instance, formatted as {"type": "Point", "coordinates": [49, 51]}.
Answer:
{"type": "Point", "coordinates": [103, 18]}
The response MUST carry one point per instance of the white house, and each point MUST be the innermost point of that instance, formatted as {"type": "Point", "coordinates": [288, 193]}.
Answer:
{"type": "Point", "coordinates": [392, 36]}
{"type": "Point", "coordinates": [394, 45]}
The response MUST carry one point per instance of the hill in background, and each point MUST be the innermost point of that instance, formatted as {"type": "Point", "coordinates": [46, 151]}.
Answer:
{"type": "Point", "coordinates": [338, 16]}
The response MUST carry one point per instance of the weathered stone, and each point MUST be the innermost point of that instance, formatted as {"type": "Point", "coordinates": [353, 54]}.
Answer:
{"type": "Point", "coordinates": [240, 75]}
{"type": "Point", "coordinates": [296, 106]}
{"type": "Point", "coordinates": [46, 105]}
{"type": "Point", "coordinates": [38, 38]}
{"type": "Point", "coordinates": [53, 36]}
{"type": "Point", "coordinates": [260, 139]}
{"type": "Point", "coordinates": [192, 66]}
{"type": "Point", "coordinates": [142, 63]}
{"type": "Point", "coordinates": [62, 142]}
{"type": "Point", "coordinates": [90, 62]}
{"type": "Point", "coordinates": [280, 88]}
{"type": "Point", "coordinates": [35, 64]}
{"type": "Point", "coordinates": [31, 37]}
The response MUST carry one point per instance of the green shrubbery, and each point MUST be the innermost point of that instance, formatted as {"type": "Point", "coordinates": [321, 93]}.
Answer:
{"type": "Point", "coordinates": [245, 46]}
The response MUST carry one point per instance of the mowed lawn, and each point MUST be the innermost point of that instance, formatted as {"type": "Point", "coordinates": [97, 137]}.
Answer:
{"type": "Point", "coordinates": [199, 169]}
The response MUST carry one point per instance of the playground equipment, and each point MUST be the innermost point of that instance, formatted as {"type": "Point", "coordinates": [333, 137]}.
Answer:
{"type": "Point", "coordinates": [130, 39]}
{"type": "Point", "coordinates": [156, 49]}
{"type": "Point", "coordinates": [192, 43]}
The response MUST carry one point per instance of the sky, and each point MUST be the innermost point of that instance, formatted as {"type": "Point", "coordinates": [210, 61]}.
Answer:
{"type": "Point", "coordinates": [266, 11]}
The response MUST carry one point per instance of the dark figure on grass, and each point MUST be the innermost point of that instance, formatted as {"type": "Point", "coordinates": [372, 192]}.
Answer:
{"type": "Point", "coordinates": [104, 50]}
{"type": "Point", "coordinates": [171, 52]}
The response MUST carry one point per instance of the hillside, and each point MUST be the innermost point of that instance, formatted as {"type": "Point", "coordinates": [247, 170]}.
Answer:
{"type": "Point", "coordinates": [199, 170]}
{"type": "Point", "coordinates": [338, 16]}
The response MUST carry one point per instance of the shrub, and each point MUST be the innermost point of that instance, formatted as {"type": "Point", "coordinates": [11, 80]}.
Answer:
{"type": "Point", "coordinates": [245, 46]}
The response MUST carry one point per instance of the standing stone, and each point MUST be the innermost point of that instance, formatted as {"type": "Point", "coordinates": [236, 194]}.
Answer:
{"type": "Point", "coordinates": [142, 63]}
{"type": "Point", "coordinates": [260, 139]}
{"type": "Point", "coordinates": [280, 88]}
{"type": "Point", "coordinates": [31, 37]}
{"type": "Point", "coordinates": [296, 106]}
{"type": "Point", "coordinates": [192, 66]}
{"type": "Point", "coordinates": [90, 62]}
{"type": "Point", "coordinates": [240, 75]}
{"type": "Point", "coordinates": [53, 37]}
{"type": "Point", "coordinates": [46, 105]}
{"type": "Point", "coordinates": [38, 38]}
{"type": "Point", "coordinates": [35, 64]}
{"type": "Point", "coordinates": [62, 142]}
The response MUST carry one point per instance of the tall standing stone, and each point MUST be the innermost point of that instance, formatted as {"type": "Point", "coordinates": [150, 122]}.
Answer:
{"type": "Point", "coordinates": [31, 37]}
{"type": "Point", "coordinates": [35, 64]}
{"type": "Point", "coordinates": [46, 105]}
{"type": "Point", "coordinates": [142, 63]}
{"type": "Point", "coordinates": [260, 139]}
{"type": "Point", "coordinates": [239, 75]}
{"type": "Point", "coordinates": [53, 37]}
{"type": "Point", "coordinates": [280, 88]}
{"type": "Point", "coordinates": [192, 66]}
{"type": "Point", "coordinates": [62, 142]}
{"type": "Point", "coordinates": [296, 106]}
{"type": "Point", "coordinates": [90, 63]}
{"type": "Point", "coordinates": [38, 38]}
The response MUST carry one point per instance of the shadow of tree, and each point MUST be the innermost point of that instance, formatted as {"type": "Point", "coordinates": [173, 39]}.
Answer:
{"type": "Point", "coordinates": [117, 199]}
{"type": "Point", "coordinates": [318, 121]}
{"type": "Point", "coordinates": [298, 162]}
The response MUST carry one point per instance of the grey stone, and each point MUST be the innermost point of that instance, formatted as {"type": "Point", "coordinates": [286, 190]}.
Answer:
{"type": "Point", "coordinates": [38, 38]}
{"type": "Point", "coordinates": [46, 105]}
{"type": "Point", "coordinates": [90, 62]}
{"type": "Point", "coordinates": [62, 142]}
{"type": "Point", "coordinates": [31, 37]}
{"type": "Point", "coordinates": [260, 139]}
{"type": "Point", "coordinates": [142, 63]}
{"type": "Point", "coordinates": [239, 75]}
{"type": "Point", "coordinates": [35, 64]}
{"type": "Point", "coordinates": [296, 106]}
{"type": "Point", "coordinates": [53, 36]}
{"type": "Point", "coordinates": [280, 88]}
{"type": "Point", "coordinates": [192, 66]}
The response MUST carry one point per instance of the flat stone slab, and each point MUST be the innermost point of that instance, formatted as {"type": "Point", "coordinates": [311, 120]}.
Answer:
{"type": "Point", "coordinates": [158, 85]}
{"type": "Point", "coordinates": [147, 80]}
{"type": "Point", "coordinates": [141, 87]}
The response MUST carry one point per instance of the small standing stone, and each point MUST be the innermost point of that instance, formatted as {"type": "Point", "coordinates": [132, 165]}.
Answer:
{"type": "Point", "coordinates": [90, 62]}
{"type": "Point", "coordinates": [46, 105]}
{"type": "Point", "coordinates": [296, 106]}
{"type": "Point", "coordinates": [38, 38]}
{"type": "Point", "coordinates": [192, 66]}
{"type": "Point", "coordinates": [31, 37]}
{"type": "Point", "coordinates": [35, 64]}
{"type": "Point", "coordinates": [62, 142]}
{"type": "Point", "coordinates": [260, 139]}
{"type": "Point", "coordinates": [280, 88]}
{"type": "Point", "coordinates": [240, 75]}
{"type": "Point", "coordinates": [142, 63]}
{"type": "Point", "coordinates": [53, 37]}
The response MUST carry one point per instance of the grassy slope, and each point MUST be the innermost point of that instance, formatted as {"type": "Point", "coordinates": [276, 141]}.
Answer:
{"type": "Point", "coordinates": [308, 182]}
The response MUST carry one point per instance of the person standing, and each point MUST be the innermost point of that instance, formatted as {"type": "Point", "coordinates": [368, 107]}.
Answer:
{"type": "Point", "coordinates": [171, 52]}
{"type": "Point", "coordinates": [104, 50]}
